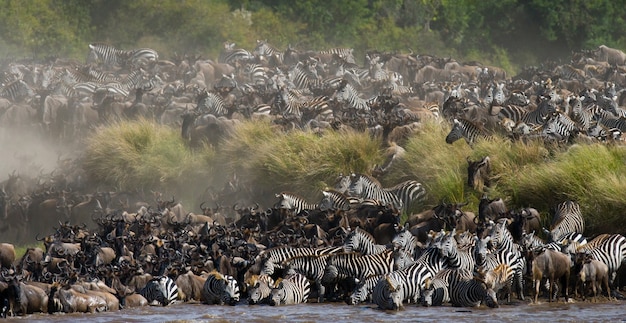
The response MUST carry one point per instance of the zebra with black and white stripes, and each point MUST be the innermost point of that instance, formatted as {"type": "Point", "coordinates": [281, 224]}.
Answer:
{"type": "Point", "coordinates": [567, 218]}
{"type": "Point", "coordinates": [408, 192]}
{"type": "Point", "coordinates": [406, 284]}
{"type": "Point", "coordinates": [530, 241]}
{"type": "Point", "coordinates": [457, 258]}
{"type": "Point", "coordinates": [354, 265]}
{"type": "Point", "coordinates": [211, 103]}
{"type": "Point", "coordinates": [404, 240]}
{"type": "Point", "coordinates": [111, 56]}
{"type": "Point", "coordinates": [609, 249]}
{"type": "Point", "coordinates": [471, 292]}
{"type": "Point", "coordinates": [263, 50]}
{"type": "Point", "coordinates": [260, 289]}
{"type": "Point", "coordinates": [304, 76]}
{"type": "Point", "coordinates": [466, 129]}
{"type": "Point", "coordinates": [161, 290]}
{"type": "Point", "coordinates": [560, 127]}
{"type": "Point", "coordinates": [334, 200]}
{"type": "Point", "coordinates": [367, 187]}
{"type": "Point", "coordinates": [506, 251]}
{"type": "Point", "coordinates": [293, 289]}
{"type": "Point", "coordinates": [359, 240]}
{"type": "Point", "coordinates": [220, 289]}
{"type": "Point", "coordinates": [294, 202]}
{"type": "Point", "coordinates": [311, 266]}
{"type": "Point", "coordinates": [351, 100]}
{"type": "Point", "coordinates": [436, 290]}
{"type": "Point", "coordinates": [363, 290]}
{"type": "Point", "coordinates": [231, 55]}
{"type": "Point", "coordinates": [272, 259]}
{"type": "Point", "coordinates": [17, 91]}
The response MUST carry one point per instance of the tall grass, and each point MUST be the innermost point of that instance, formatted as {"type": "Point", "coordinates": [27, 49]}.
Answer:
{"type": "Point", "coordinates": [130, 155]}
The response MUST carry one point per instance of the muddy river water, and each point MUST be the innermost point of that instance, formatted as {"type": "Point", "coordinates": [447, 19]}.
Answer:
{"type": "Point", "coordinates": [614, 311]}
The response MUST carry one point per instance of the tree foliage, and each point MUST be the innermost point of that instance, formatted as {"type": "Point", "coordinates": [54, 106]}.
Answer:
{"type": "Point", "coordinates": [517, 31]}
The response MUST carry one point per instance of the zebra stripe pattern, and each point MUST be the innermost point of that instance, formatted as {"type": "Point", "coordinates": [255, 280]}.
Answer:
{"type": "Point", "coordinates": [609, 249]}
{"type": "Point", "coordinates": [292, 201]}
{"type": "Point", "coordinates": [470, 292]}
{"type": "Point", "coordinates": [463, 128]}
{"type": "Point", "coordinates": [263, 49]}
{"type": "Point", "coordinates": [507, 252]}
{"type": "Point", "coordinates": [260, 290]}
{"type": "Point", "coordinates": [367, 187]}
{"type": "Point", "coordinates": [161, 290]}
{"type": "Point", "coordinates": [457, 258]}
{"type": "Point", "coordinates": [362, 241]}
{"type": "Point", "coordinates": [17, 91]}
{"type": "Point", "coordinates": [293, 289]}
{"type": "Point", "coordinates": [406, 284]}
{"type": "Point", "coordinates": [355, 265]}
{"type": "Point", "coordinates": [567, 219]}
{"type": "Point", "coordinates": [313, 267]}
{"type": "Point", "coordinates": [363, 290]}
{"type": "Point", "coordinates": [274, 257]}
{"type": "Point", "coordinates": [211, 103]}
{"type": "Point", "coordinates": [220, 289]}
{"type": "Point", "coordinates": [436, 290]}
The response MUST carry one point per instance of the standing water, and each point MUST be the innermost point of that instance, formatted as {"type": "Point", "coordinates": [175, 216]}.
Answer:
{"type": "Point", "coordinates": [614, 311]}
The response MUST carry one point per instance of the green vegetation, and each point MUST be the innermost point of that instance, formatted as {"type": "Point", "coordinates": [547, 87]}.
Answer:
{"type": "Point", "coordinates": [133, 154]}
{"type": "Point", "coordinates": [505, 33]}
{"type": "Point", "coordinates": [130, 155]}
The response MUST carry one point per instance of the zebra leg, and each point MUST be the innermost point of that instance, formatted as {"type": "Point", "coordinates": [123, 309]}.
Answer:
{"type": "Point", "coordinates": [321, 289]}
{"type": "Point", "coordinates": [519, 284]}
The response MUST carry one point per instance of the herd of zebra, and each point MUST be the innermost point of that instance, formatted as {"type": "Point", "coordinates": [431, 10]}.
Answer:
{"type": "Point", "coordinates": [359, 251]}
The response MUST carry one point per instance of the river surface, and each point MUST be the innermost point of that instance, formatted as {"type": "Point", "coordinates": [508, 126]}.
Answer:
{"type": "Point", "coordinates": [337, 312]}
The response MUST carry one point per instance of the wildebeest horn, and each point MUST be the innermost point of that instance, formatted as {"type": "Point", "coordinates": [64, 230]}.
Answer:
{"type": "Point", "coordinates": [202, 208]}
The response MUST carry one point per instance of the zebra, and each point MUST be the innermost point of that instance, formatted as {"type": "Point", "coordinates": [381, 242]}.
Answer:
{"type": "Point", "coordinates": [349, 97]}
{"type": "Point", "coordinates": [506, 252]}
{"type": "Point", "coordinates": [362, 241]}
{"type": "Point", "coordinates": [355, 265]}
{"type": "Point", "coordinates": [263, 49]}
{"type": "Point", "coordinates": [161, 290]}
{"type": "Point", "coordinates": [447, 246]}
{"type": "Point", "coordinates": [17, 91]}
{"type": "Point", "coordinates": [231, 55]}
{"type": "Point", "coordinates": [211, 103]}
{"type": "Point", "coordinates": [111, 56]}
{"type": "Point", "coordinates": [363, 290]}
{"type": "Point", "coordinates": [272, 258]}
{"type": "Point", "coordinates": [466, 129]}
{"type": "Point", "coordinates": [436, 290]}
{"type": "Point", "coordinates": [108, 55]}
{"type": "Point", "coordinates": [305, 78]}
{"type": "Point", "coordinates": [368, 187]}
{"type": "Point", "coordinates": [567, 219]}
{"type": "Point", "coordinates": [471, 292]}
{"type": "Point", "coordinates": [260, 289]}
{"type": "Point", "coordinates": [257, 75]}
{"type": "Point", "coordinates": [293, 289]}
{"type": "Point", "coordinates": [292, 201]}
{"type": "Point", "coordinates": [220, 289]}
{"type": "Point", "coordinates": [530, 241]}
{"type": "Point", "coordinates": [609, 249]}
{"type": "Point", "coordinates": [407, 192]}
{"type": "Point", "coordinates": [560, 126]}
{"type": "Point", "coordinates": [404, 240]}
{"type": "Point", "coordinates": [407, 283]}
{"type": "Point", "coordinates": [334, 200]}
{"type": "Point", "coordinates": [311, 266]}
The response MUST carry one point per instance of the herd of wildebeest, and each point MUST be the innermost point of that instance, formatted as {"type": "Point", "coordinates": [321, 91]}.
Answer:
{"type": "Point", "coordinates": [109, 250]}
